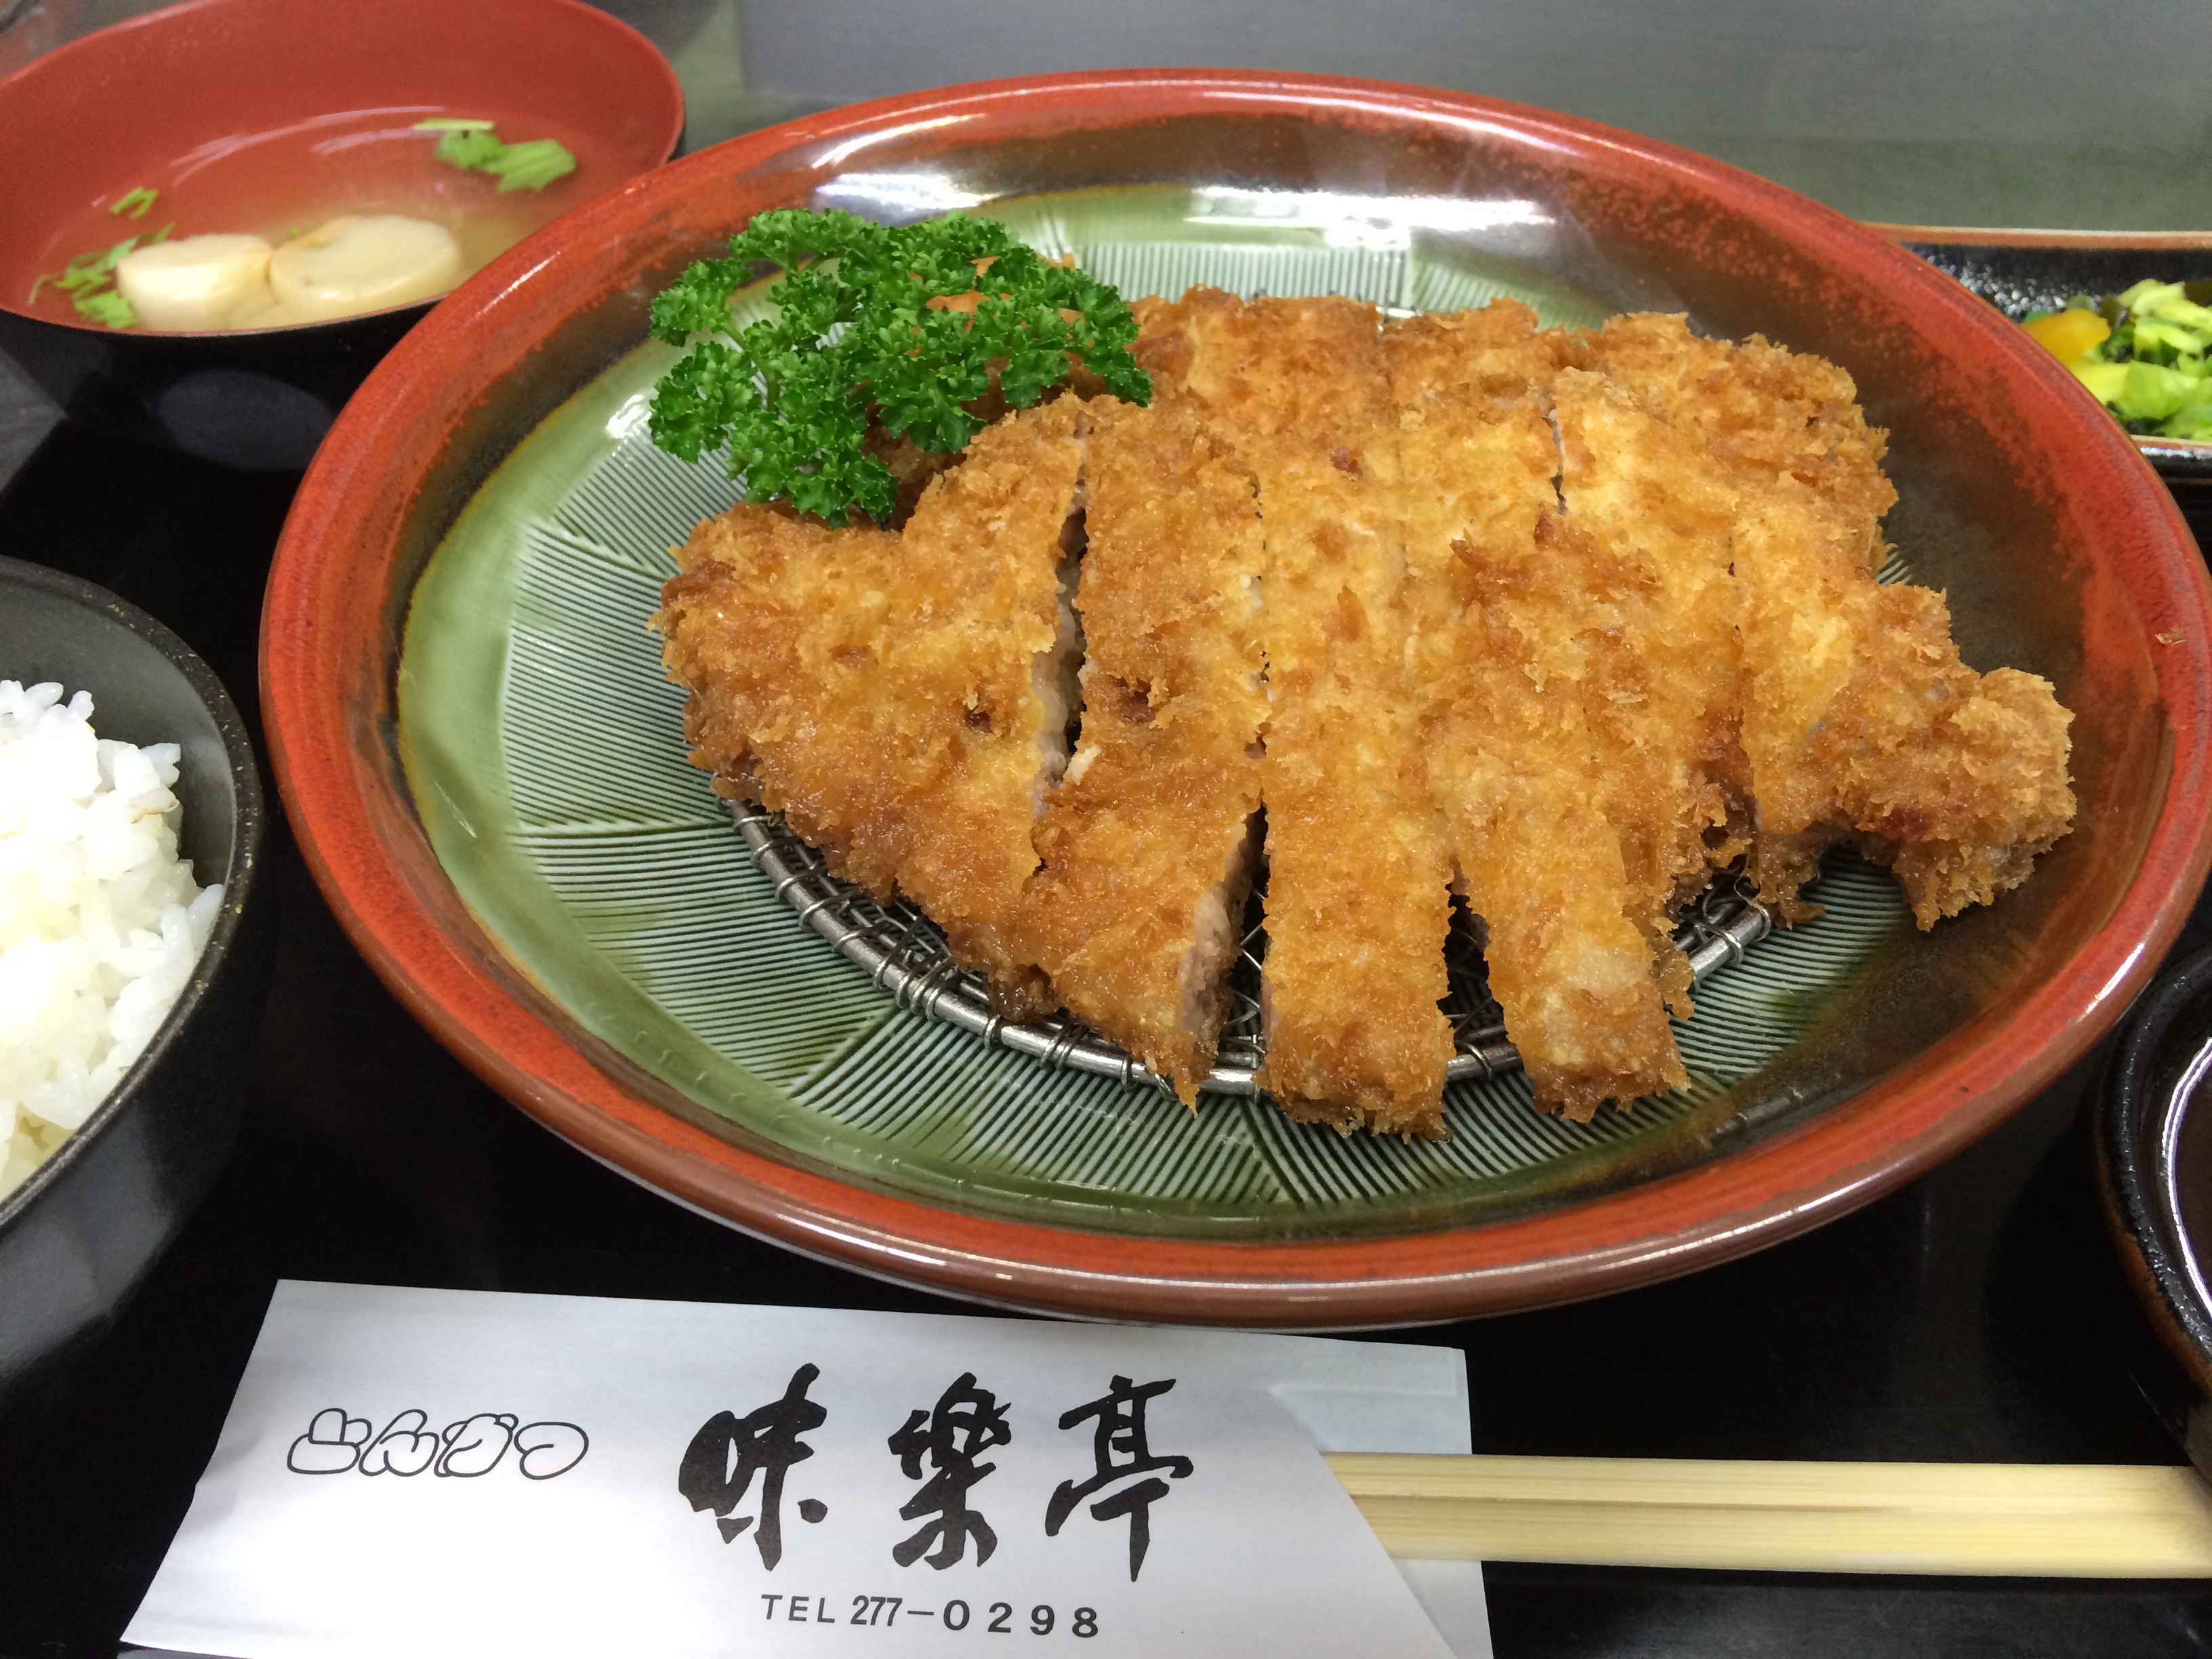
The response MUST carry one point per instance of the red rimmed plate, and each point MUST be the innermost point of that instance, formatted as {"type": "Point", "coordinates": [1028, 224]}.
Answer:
{"type": "Point", "coordinates": [2060, 551]}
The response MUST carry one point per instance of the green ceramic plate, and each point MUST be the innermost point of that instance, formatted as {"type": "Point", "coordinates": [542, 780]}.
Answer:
{"type": "Point", "coordinates": [544, 751]}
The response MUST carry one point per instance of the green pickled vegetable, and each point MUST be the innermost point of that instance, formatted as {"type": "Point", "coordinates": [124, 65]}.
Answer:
{"type": "Point", "coordinates": [2151, 391]}
{"type": "Point", "coordinates": [2194, 422]}
{"type": "Point", "coordinates": [2140, 353]}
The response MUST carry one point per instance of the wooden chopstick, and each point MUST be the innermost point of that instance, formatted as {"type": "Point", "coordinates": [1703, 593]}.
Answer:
{"type": "Point", "coordinates": [2060, 1520]}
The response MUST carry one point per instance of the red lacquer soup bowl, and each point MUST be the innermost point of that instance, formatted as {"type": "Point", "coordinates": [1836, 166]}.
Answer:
{"type": "Point", "coordinates": [2060, 552]}
{"type": "Point", "coordinates": [268, 117]}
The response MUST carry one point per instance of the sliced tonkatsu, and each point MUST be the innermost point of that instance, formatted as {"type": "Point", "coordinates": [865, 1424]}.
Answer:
{"type": "Point", "coordinates": [1567, 620]}
{"type": "Point", "coordinates": [1504, 641]}
{"type": "Point", "coordinates": [901, 698]}
{"type": "Point", "coordinates": [1650, 530]}
{"type": "Point", "coordinates": [1149, 843]}
{"type": "Point", "coordinates": [1859, 721]}
{"type": "Point", "coordinates": [1357, 903]}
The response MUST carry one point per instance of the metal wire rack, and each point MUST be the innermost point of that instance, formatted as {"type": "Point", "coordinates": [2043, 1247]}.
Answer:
{"type": "Point", "coordinates": [905, 954]}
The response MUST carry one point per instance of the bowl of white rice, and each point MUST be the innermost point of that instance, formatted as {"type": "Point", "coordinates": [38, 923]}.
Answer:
{"type": "Point", "coordinates": [134, 959]}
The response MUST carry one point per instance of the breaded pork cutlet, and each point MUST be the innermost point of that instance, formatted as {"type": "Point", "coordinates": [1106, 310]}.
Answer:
{"type": "Point", "coordinates": [1781, 429]}
{"type": "Point", "coordinates": [1859, 719]}
{"type": "Point", "coordinates": [1148, 842]}
{"type": "Point", "coordinates": [1581, 615]}
{"type": "Point", "coordinates": [1650, 530]}
{"type": "Point", "coordinates": [1862, 717]}
{"type": "Point", "coordinates": [1761, 413]}
{"type": "Point", "coordinates": [899, 698]}
{"type": "Point", "coordinates": [1502, 649]}
{"type": "Point", "coordinates": [1358, 872]}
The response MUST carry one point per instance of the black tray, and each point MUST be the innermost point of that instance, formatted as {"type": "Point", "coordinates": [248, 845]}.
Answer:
{"type": "Point", "coordinates": [1976, 1315]}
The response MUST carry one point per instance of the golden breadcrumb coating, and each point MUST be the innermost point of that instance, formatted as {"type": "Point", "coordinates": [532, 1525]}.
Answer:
{"type": "Point", "coordinates": [1578, 616]}
{"type": "Point", "coordinates": [1760, 411]}
{"type": "Point", "coordinates": [895, 697]}
{"type": "Point", "coordinates": [1501, 652]}
{"type": "Point", "coordinates": [1650, 529]}
{"type": "Point", "coordinates": [1358, 872]}
{"type": "Point", "coordinates": [1862, 717]}
{"type": "Point", "coordinates": [1858, 716]}
{"type": "Point", "coordinates": [1147, 844]}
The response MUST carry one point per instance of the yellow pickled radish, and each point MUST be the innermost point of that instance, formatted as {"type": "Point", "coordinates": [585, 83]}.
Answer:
{"type": "Point", "coordinates": [2068, 334]}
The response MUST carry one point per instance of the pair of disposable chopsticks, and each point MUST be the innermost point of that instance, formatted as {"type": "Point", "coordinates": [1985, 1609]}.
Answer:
{"type": "Point", "coordinates": [2076, 1521]}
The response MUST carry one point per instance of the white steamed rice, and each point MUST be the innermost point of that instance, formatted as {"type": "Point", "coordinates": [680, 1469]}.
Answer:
{"type": "Point", "coordinates": [100, 922]}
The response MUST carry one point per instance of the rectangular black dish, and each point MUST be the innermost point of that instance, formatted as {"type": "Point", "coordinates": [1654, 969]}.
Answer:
{"type": "Point", "coordinates": [2022, 270]}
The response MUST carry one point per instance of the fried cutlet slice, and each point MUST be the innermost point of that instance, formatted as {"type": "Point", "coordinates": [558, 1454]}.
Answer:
{"type": "Point", "coordinates": [1862, 717]}
{"type": "Point", "coordinates": [1651, 529]}
{"type": "Point", "coordinates": [1148, 842]}
{"type": "Point", "coordinates": [899, 698]}
{"type": "Point", "coordinates": [1859, 718]}
{"type": "Point", "coordinates": [1358, 901]}
{"type": "Point", "coordinates": [1502, 650]}
{"type": "Point", "coordinates": [1768, 418]}
{"type": "Point", "coordinates": [1761, 412]}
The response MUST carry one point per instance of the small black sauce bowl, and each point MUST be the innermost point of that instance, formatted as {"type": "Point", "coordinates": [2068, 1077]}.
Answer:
{"type": "Point", "coordinates": [81, 1233]}
{"type": "Point", "coordinates": [2153, 1139]}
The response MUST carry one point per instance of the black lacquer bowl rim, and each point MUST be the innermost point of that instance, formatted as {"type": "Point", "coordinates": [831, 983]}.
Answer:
{"type": "Point", "coordinates": [2146, 1093]}
{"type": "Point", "coordinates": [246, 832]}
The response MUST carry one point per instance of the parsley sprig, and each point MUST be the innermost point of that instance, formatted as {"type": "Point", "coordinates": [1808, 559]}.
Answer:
{"type": "Point", "coordinates": [855, 343]}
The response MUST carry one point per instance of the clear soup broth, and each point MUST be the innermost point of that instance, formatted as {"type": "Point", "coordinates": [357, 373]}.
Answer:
{"type": "Point", "coordinates": [281, 183]}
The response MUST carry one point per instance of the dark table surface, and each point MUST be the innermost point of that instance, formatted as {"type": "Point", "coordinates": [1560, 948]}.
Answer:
{"type": "Point", "coordinates": [1975, 1315]}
